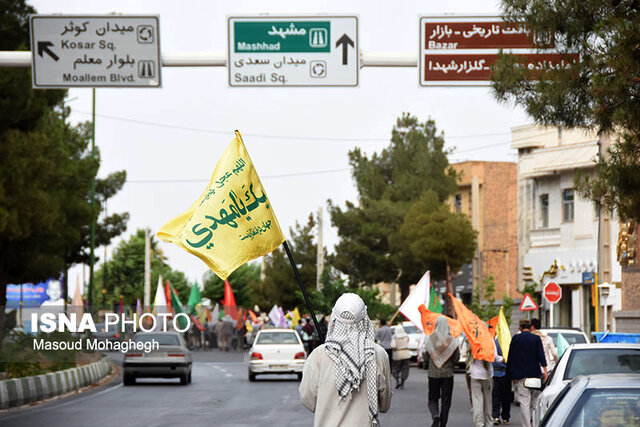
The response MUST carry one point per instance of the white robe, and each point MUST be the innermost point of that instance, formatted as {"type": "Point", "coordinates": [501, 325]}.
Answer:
{"type": "Point", "coordinates": [318, 392]}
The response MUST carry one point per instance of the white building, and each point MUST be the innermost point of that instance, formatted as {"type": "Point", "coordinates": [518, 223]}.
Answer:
{"type": "Point", "coordinates": [558, 227]}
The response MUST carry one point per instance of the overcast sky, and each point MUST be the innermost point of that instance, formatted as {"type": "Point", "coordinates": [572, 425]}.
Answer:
{"type": "Point", "coordinates": [164, 136]}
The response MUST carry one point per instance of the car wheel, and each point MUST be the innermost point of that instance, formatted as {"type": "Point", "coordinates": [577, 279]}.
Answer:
{"type": "Point", "coordinates": [299, 376]}
{"type": "Point", "coordinates": [184, 379]}
{"type": "Point", "coordinates": [128, 379]}
{"type": "Point", "coordinates": [252, 377]}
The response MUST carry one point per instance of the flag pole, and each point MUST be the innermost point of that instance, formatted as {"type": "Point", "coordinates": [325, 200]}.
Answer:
{"type": "Point", "coordinates": [304, 291]}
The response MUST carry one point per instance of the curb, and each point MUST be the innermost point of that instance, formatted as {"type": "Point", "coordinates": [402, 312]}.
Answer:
{"type": "Point", "coordinates": [20, 391]}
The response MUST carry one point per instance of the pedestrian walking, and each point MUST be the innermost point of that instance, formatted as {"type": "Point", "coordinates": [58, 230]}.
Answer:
{"type": "Point", "coordinates": [525, 359]}
{"type": "Point", "coordinates": [550, 351]}
{"type": "Point", "coordinates": [443, 354]}
{"type": "Point", "coordinates": [383, 336]}
{"type": "Point", "coordinates": [481, 374]}
{"type": "Point", "coordinates": [401, 356]}
{"type": "Point", "coordinates": [307, 335]}
{"type": "Point", "coordinates": [346, 381]}
{"type": "Point", "coordinates": [501, 393]}
{"type": "Point", "coordinates": [224, 331]}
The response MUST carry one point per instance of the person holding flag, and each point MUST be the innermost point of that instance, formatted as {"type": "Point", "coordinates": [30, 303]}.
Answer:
{"type": "Point", "coordinates": [346, 381]}
{"type": "Point", "coordinates": [443, 352]}
{"type": "Point", "coordinates": [501, 393]}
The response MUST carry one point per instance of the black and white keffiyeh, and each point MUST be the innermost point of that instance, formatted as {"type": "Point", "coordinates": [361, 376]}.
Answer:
{"type": "Point", "coordinates": [350, 345]}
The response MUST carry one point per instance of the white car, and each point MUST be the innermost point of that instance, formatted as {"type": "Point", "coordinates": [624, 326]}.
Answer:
{"type": "Point", "coordinates": [415, 335]}
{"type": "Point", "coordinates": [586, 359]}
{"type": "Point", "coordinates": [277, 351]}
{"type": "Point", "coordinates": [571, 335]}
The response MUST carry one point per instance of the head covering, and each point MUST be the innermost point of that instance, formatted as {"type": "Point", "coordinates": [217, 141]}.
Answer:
{"type": "Point", "coordinates": [440, 344]}
{"type": "Point", "coordinates": [399, 332]}
{"type": "Point", "coordinates": [350, 346]}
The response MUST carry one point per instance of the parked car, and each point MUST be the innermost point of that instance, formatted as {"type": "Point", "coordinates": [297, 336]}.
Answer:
{"type": "Point", "coordinates": [587, 359]}
{"type": "Point", "coordinates": [572, 335]}
{"type": "Point", "coordinates": [596, 400]}
{"type": "Point", "coordinates": [277, 351]}
{"type": "Point", "coordinates": [415, 335]}
{"type": "Point", "coordinates": [172, 358]}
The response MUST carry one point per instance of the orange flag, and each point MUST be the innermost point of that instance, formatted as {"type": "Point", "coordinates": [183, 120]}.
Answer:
{"type": "Point", "coordinates": [477, 333]}
{"type": "Point", "coordinates": [429, 318]}
{"type": "Point", "coordinates": [493, 323]}
{"type": "Point", "coordinates": [253, 316]}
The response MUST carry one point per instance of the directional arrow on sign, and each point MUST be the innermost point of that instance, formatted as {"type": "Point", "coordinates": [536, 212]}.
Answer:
{"type": "Point", "coordinates": [345, 41]}
{"type": "Point", "coordinates": [44, 47]}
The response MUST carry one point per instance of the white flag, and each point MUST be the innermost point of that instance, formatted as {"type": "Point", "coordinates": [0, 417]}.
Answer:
{"type": "Point", "coordinates": [215, 314]}
{"type": "Point", "coordinates": [418, 296]}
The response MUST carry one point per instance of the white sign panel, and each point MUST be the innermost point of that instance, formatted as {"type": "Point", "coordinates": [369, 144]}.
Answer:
{"type": "Point", "coordinates": [287, 51]}
{"type": "Point", "coordinates": [95, 51]}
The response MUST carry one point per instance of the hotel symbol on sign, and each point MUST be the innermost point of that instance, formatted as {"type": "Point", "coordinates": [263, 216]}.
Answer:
{"type": "Point", "coordinates": [146, 69]}
{"type": "Point", "coordinates": [318, 37]}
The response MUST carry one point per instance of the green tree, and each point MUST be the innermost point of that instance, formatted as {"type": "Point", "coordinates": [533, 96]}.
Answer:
{"type": "Point", "coordinates": [483, 302]}
{"type": "Point", "coordinates": [243, 281]}
{"type": "Point", "coordinates": [371, 247]}
{"type": "Point", "coordinates": [333, 287]}
{"type": "Point", "coordinates": [599, 92]}
{"type": "Point", "coordinates": [126, 273]}
{"type": "Point", "coordinates": [279, 285]}
{"type": "Point", "coordinates": [440, 240]}
{"type": "Point", "coordinates": [46, 170]}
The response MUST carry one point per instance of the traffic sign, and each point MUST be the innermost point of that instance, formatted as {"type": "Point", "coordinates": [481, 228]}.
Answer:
{"type": "Point", "coordinates": [285, 51]}
{"type": "Point", "coordinates": [528, 304]}
{"type": "Point", "coordinates": [460, 50]}
{"type": "Point", "coordinates": [552, 292]}
{"type": "Point", "coordinates": [95, 51]}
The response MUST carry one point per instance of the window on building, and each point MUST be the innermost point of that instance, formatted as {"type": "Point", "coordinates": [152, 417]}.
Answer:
{"type": "Point", "coordinates": [544, 210]}
{"type": "Point", "coordinates": [567, 205]}
{"type": "Point", "coordinates": [458, 203]}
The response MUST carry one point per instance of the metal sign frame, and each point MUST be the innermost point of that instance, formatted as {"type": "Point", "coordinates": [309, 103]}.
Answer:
{"type": "Point", "coordinates": [34, 50]}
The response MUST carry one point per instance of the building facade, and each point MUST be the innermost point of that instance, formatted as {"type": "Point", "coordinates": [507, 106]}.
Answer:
{"type": "Point", "coordinates": [487, 194]}
{"type": "Point", "coordinates": [560, 233]}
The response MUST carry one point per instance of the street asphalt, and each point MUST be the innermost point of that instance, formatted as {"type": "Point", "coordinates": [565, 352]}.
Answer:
{"type": "Point", "coordinates": [221, 395]}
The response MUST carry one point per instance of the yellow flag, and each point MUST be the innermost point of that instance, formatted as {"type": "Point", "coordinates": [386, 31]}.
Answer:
{"type": "Point", "coordinates": [503, 334]}
{"type": "Point", "coordinates": [233, 221]}
{"type": "Point", "coordinates": [295, 318]}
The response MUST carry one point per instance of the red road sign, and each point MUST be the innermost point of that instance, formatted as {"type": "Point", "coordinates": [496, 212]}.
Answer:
{"type": "Point", "coordinates": [528, 304]}
{"type": "Point", "coordinates": [552, 292]}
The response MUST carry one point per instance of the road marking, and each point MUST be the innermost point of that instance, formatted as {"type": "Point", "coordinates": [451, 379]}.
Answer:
{"type": "Point", "coordinates": [61, 405]}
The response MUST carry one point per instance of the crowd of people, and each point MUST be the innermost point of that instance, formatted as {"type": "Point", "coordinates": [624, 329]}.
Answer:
{"type": "Point", "coordinates": [347, 380]}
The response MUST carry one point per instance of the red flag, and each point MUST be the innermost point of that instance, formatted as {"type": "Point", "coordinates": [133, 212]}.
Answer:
{"type": "Point", "coordinates": [429, 319]}
{"type": "Point", "coordinates": [477, 333]}
{"type": "Point", "coordinates": [167, 292]}
{"type": "Point", "coordinates": [197, 323]}
{"type": "Point", "coordinates": [229, 301]}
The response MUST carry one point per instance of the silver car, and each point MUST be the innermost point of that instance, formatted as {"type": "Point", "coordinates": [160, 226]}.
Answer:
{"type": "Point", "coordinates": [587, 359]}
{"type": "Point", "coordinates": [172, 359]}
{"type": "Point", "coordinates": [597, 400]}
{"type": "Point", "coordinates": [277, 351]}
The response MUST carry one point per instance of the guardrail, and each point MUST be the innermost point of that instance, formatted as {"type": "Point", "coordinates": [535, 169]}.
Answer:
{"type": "Point", "coordinates": [21, 391]}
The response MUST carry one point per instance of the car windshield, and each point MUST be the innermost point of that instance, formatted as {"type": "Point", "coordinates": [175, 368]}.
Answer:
{"type": "Point", "coordinates": [277, 338]}
{"type": "Point", "coordinates": [411, 329]}
{"type": "Point", "coordinates": [602, 361]}
{"type": "Point", "coordinates": [610, 407]}
{"type": "Point", "coordinates": [571, 337]}
{"type": "Point", "coordinates": [161, 339]}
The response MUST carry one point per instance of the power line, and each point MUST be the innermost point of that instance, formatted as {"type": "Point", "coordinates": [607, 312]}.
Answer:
{"type": "Point", "coordinates": [288, 137]}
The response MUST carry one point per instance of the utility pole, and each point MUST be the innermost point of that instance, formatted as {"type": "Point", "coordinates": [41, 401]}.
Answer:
{"type": "Point", "coordinates": [93, 201]}
{"type": "Point", "coordinates": [147, 271]}
{"type": "Point", "coordinates": [320, 252]}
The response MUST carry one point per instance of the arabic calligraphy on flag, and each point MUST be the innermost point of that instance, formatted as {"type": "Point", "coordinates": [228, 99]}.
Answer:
{"type": "Point", "coordinates": [232, 222]}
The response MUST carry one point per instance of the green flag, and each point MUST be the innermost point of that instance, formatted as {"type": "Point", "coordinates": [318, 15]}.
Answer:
{"type": "Point", "coordinates": [562, 344]}
{"type": "Point", "coordinates": [194, 299]}
{"type": "Point", "coordinates": [434, 301]}
{"type": "Point", "coordinates": [178, 307]}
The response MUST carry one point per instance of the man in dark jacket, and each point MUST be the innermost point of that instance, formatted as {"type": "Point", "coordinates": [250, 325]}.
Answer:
{"type": "Point", "coordinates": [526, 357]}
